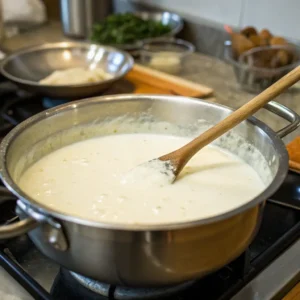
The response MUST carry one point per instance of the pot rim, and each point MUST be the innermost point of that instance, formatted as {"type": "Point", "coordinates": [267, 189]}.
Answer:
{"type": "Point", "coordinates": [49, 212]}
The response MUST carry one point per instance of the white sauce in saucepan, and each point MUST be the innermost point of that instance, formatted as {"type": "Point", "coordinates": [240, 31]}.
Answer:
{"type": "Point", "coordinates": [85, 180]}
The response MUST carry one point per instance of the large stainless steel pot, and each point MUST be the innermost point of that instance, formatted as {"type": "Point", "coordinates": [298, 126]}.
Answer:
{"type": "Point", "coordinates": [137, 255]}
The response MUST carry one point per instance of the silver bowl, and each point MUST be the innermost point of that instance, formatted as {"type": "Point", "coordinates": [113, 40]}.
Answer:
{"type": "Point", "coordinates": [173, 20]}
{"type": "Point", "coordinates": [27, 67]}
{"type": "Point", "coordinates": [166, 18]}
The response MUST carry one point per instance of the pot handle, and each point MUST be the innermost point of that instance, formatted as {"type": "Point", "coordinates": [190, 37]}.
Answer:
{"type": "Point", "coordinates": [53, 233]}
{"type": "Point", "coordinates": [285, 113]}
{"type": "Point", "coordinates": [17, 228]}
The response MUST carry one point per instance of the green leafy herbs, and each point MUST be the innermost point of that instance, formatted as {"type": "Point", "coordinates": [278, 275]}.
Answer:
{"type": "Point", "coordinates": [126, 29]}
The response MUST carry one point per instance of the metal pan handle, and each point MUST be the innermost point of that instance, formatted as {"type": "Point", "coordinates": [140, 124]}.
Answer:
{"type": "Point", "coordinates": [17, 228]}
{"type": "Point", "coordinates": [53, 232]}
{"type": "Point", "coordinates": [285, 113]}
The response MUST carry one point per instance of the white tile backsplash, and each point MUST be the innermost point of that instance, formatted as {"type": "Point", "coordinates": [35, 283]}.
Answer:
{"type": "Point", "coordinates": [224, 12]}
{"type": "Point", "coordinates": [280, 17]}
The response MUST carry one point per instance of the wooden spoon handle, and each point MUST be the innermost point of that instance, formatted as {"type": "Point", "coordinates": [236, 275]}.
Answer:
{"type": "Point", "coordinates": [190, 149]}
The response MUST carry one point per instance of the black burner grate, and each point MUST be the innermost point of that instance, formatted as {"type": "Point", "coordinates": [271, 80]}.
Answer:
{"type": "Point", "coordinates": [85, 288]}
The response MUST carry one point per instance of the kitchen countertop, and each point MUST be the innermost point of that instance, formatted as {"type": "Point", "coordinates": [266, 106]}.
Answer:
{"type": "Point", "coordinates": [199, 68]}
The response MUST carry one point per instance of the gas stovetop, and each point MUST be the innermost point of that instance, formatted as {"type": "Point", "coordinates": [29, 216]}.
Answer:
{"type": "Point", "coordinates": [266, 269]}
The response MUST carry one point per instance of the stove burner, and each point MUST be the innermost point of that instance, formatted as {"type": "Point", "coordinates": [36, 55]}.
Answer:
{"type": "Point", "coordinates": [93, 285]}
{"type": "Point", "coordinates": [49, 103]}
{"type": "Point", "coordinates": [124, 293]}
{"type": "Point", "coordinates": [19, 106]}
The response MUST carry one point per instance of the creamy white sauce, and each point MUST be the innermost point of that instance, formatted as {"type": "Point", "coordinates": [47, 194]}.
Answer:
{"type": "Point", "coordinates": [85, 180]}
{"type": "Point", "coordinates": [75, 76]}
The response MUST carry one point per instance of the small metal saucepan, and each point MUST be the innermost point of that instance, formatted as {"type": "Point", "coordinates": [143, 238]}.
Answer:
{"type": "Point", "coordinates": [138, 255]}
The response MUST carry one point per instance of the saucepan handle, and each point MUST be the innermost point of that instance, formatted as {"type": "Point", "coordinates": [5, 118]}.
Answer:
{"type": "Point", "coordinates": [54, 233]}
{"type": "Point", "coordinates": [285, 113]}
{"type": "Point", "coordinates": [17, 228]}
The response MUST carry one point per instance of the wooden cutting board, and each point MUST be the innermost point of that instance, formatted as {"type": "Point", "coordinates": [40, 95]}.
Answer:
{"type": "Point", "coordinates": [294, 294]}
{"type": "Point", "coordinates": [144, 80]}
{"type": "Point", "coordinates": [293, 149]}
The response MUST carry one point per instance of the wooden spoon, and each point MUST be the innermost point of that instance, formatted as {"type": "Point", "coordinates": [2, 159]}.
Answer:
{"type": "Point", "coordinates": [172, 163]}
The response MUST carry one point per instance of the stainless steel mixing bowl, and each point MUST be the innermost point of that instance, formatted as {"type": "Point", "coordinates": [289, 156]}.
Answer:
{"type": "Point", "coordinates": [139, 254]}
{"type": "Point", "coordinates": [30, 65]}
{"type": "Point", "coordinates": [167, 18]}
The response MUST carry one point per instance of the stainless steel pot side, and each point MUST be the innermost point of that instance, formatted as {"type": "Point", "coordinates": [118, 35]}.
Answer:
{"type": "Point", "coordinates": [139, 255]}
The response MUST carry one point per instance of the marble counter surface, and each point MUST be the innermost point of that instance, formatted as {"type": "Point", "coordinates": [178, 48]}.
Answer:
{"type": "Point", "coordinates": [199, 68]}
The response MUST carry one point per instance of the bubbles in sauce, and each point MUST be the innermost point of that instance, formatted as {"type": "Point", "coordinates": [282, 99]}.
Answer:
{"type": "Point", "coordinates": [85, 179]}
